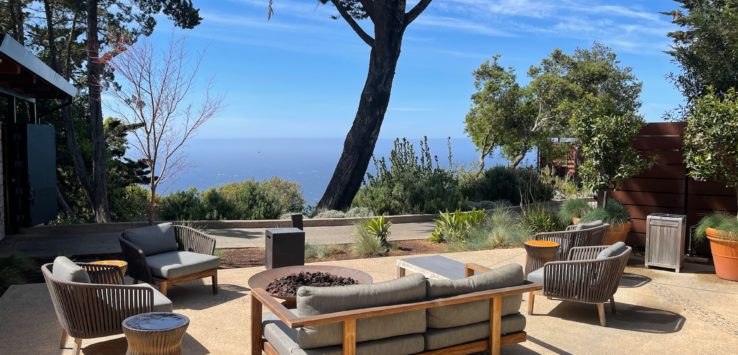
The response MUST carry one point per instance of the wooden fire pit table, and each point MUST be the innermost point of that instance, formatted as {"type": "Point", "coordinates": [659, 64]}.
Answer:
{"type": "Point", "coordinates": [264, 278]}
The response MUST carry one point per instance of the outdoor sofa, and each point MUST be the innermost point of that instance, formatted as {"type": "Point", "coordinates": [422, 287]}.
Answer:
{"type": "Point", "coordinates": [577, 235]}
{"type": "Point", "coordinates": [589, 275]}
{"type": "Point", "coordinates": [408, 315]}
{"type": "Point", "coordinates": [91, 300]}
{"type": "Point", "coordinates": [167, 254]}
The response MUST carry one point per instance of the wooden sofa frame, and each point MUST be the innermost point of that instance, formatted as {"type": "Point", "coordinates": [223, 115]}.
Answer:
{"type": "Point", "coordinates": [259, 298]}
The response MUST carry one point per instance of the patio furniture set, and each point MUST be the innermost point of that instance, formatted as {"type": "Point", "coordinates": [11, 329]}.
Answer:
{"type": "Point", "coordinates": [91, 300]}
{"type": "Point", "coordinates": [445, 307]}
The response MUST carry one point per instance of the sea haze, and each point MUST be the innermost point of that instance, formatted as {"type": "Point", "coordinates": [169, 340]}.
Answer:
{"type": "Point", "coordinates": [309, 161]}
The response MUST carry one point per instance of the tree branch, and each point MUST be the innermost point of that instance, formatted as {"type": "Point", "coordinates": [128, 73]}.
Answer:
{"type": "Point", "coordinates": [416, 11]}
{"type": "Point", "coordinates": [355, 26]}
{"type": "Point", "coordinates": [368, 6]}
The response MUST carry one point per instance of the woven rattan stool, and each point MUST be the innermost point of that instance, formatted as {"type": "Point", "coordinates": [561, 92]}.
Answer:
{"type": "Point", "coordinates": [155, 333]}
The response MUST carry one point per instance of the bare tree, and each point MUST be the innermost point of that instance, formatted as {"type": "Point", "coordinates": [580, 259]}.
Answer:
{"type": "Point", "coordinates": [156, 93]}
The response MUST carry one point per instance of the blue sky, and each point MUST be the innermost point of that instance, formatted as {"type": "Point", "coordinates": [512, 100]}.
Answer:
{"type": "Point", "coordinates": [300, 74]}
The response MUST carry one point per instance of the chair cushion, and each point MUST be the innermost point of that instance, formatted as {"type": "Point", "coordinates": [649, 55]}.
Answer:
{"type": "Point", "coordinates": [588, 225]}
{"type": "Point", "coordinates": [285, 341]}
{"type": "Point", "coordinates": [473, 312]}
{"type": "Point", "coordinates": [321, 300]}
{"type": "Point", "coordinates": [175, 264]}
{"type": "Point", "coordinates": [613, 250]}
{"type": "Point", "coordinates": [536, 276]}
{"type": "Point", "coordinates": [66, 270]}
{"type": "Point", "coordinates": [441, 338]}
{"type": "Point", "coordinates": [153, 239]}
{"type": "Point", "coordinates": [161, 302]}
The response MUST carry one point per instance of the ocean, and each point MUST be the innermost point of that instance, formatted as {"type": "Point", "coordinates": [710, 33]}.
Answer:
{"type": "Point", "coordinates": [309, 161]}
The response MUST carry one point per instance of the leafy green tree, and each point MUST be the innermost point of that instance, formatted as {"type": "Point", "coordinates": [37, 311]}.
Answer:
{"type": "Point", "coordinates": [705, 47]}
{"type": "Point", "coordinates": [711, 138]}
{"type": "Point", "coordinates": [390, 19]}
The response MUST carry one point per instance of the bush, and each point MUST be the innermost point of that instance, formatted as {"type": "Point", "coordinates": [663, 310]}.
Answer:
{"type": "Point", "coordinates": [358, 212]}
{"type": "Point", "coordinates": [540, 219]}
{"type": "Point", "coordinates": [330, 214]}
{"type": "Point", "coordinates": [488, 205]}
{"type": "Point", "coordinates": [250, 200]}
{"type": "Point", "coordinates": [573, 208]}
{"type": "Point", "coordinates": [181, 205]}
{"type": "Point", "coordinates": [322, 252]}
{"type": "Point", "coordinates": [455, 226]}
{"type": "Point", "coordinates": [613, 213]}
{"type": "Point", "coordinates": [409, 183]}
{"type": "Point", "coordinates": [721, 221]}
{"type": "Point", "coordinates": [372, 237]}
{"type": "Point", "coordinates": [501, 228]}
{"type": "Point", "coordinates": [502, 183]}
{"type": "Point", "coordinates": [131, 205]}
{"type": "Point", "coordinates": [288, 194]}
{"type": "Point", "coordinates": [215, 206]}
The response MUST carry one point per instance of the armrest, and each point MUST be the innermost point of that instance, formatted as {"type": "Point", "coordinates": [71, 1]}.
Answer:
{"type": "Point", "coordinates": [138, 268]}
{"type": "Point", "coordinates": [584, 280]}
{"type": "Point", "coordinates": [585, 253]}
{"type": "Point", "coordinates": [191, 239]}
{"type": "Point", "coordinates": [473, 268]}
{"type": "Point", "coordinates": [103, 274]}
{"type": "Point", "coordinates": [294, 321]}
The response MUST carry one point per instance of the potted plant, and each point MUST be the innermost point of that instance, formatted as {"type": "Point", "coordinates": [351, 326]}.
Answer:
{"type": "Point", "coordinates": [573, 210]}
{"type": "Point", "coordinates": [711, 153]}
{"type": "Point", "coordinates": [615, 214]}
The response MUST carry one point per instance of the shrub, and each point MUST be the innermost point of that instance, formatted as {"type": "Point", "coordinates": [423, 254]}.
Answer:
{"type": "Point", "coordinates": [216, 206]}
{"type": "Point", "coordinates": [181, 205]}
{"type": "Point", "coordinates": [502, 183]}
{"type": "Point", "coordinates": [330, 214]}
{"type": "Point", "coordinates": [488, 205]}
{"type": "Point", "coordinates": [409, 183]}
{"type": "Point", "coordinates": [573, 208]}
{"type": "Point", "coordinates": [500, 229]}
{"type": "Point", "coordinates": [721, 221]}
{"type": "Point", "coordinates": [131, 205]}
{"type": "Point", "coordinates": [250, 200]}
{"type": "Point", "coordinates": [356, 212]}
{"type": "Point", "coordinates": [288, 194]}
{"type": "Point", "coordinates": [613, 213]}
{"type": "Point", "coordinates": [372, 237]}
{"type": "Point", "coordinates": [540, 219]}
{"type": "Point", "coordinates": [455, 226]}
{"type": "Point", "coordinates": [322, 252]}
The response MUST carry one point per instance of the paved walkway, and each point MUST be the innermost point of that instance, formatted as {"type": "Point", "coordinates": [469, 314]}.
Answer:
{"type": "Point", "coordinates": [50, 245]}
{"type": "Point", "coordinates": [659, 312]}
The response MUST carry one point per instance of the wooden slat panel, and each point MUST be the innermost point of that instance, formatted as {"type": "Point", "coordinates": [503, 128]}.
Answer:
{"type": "Point", "coordinates": [648, 199]}
{"type": "Point", "coordinates": [641, 212]}
{"type": "Point", "coordinates": [714, 203]}
{"type": "Point", "coordinates": [658, 143]}
{"type": "Point", "coordinates": [661, 171]}
{"type": "Point", "coordinates": [654, 185]}
{"type": "Point", "coordinates": [663, 129]}
{"type": "Point", "coordinates": [668, 157]}
{"type": "Point", "coordinates": [709, 188]}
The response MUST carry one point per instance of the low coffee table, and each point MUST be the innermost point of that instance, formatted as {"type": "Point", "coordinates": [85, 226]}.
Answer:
{"type": "Point", "coordinates": [155, 333]}
{"type": "Point", "coordinates": [433, 267]}
{"type": "Point", "coordinates": [264, 278]}
{"type": "Point", "coordinates": [538, 253]}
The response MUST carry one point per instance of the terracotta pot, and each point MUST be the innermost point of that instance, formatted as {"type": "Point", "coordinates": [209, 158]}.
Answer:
{"type": "Point", "coordinates": [575, 220]}
{"type": "Point", "coordinates": [724, 255]}
{"type": "Point", "coordinates": [617, 233]}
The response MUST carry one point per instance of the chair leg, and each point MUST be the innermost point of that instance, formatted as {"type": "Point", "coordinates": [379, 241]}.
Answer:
{"type": "Point", "coordinates": [612, 305]}
{"type": "Point", "coordinates": [214, 279]}
{"type": "Point", "coordinates": [531, 301]}
{"type": "Point", "coordinates": [77, 346]}
{"type": "Point", "coordinates": [63, 341]}
{"type": "Point", "coordinates": [163, 285]}
{"type": "Point", "coordinates": [601, 312]}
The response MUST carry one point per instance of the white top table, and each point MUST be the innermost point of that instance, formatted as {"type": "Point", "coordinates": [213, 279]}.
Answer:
{"type": "Point", "coordinates": [433, 267]}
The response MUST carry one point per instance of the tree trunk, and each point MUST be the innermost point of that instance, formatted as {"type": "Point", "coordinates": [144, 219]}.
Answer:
{"type": "Point", "coordinates": [99, 169]}
{"type": "Point", "coordinates": [519, 157]}
{"type": "Point", "coordinates": [482, 155]}
{"type": "Point", "coordinates": [152, 204]}
{"type": "Point", "coordinates": [358, 146]}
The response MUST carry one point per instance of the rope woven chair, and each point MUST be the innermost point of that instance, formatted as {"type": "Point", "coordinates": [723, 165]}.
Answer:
{"type": "Point", "coordinates": [572, 238]}
{"type": "Point", "coordinates": [585, 277]}
{"type": "Point", "coordinates": [96, 309]}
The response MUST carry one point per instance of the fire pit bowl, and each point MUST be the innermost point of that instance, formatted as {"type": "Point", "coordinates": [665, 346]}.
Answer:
{"type": "Point", "coordinates": [264, 278]}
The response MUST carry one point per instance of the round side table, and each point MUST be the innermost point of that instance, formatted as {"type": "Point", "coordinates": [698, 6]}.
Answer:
{"type": "Point", "coordinates": [539, 252]}
{"type": "Point", "coordinates": [122, 264]}
{"type": "Point", "coordinates": [155, 333]}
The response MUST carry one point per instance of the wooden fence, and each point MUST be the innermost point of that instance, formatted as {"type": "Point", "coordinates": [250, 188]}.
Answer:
{"type": "Point", "coordinates": [666, 187]}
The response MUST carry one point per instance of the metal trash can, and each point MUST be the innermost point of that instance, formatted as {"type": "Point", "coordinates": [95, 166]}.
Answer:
{"type": "Point", "coordinates": [284, 247]}
{"type": "Point", "coordinates": [665, 238]}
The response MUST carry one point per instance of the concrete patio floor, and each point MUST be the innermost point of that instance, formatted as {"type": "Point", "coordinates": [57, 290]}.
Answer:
{"type": "Point", "coordinates": [659, 312]}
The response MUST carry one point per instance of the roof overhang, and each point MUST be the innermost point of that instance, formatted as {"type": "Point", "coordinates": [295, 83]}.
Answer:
{"type": "Point", "coordinates": [23, 73]}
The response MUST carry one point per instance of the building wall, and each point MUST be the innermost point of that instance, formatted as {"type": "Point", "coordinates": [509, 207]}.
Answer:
{"type": "Point", "coordinates": [2, 190]}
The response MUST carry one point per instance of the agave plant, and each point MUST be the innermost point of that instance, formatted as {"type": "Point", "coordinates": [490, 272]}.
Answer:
{"type": "Point", "coordinates": [455, 226]}
{"type": "Point", "coordinates": [380, 228]}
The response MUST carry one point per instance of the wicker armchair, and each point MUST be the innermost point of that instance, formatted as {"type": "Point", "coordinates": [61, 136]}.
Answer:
{"type": "Point", "coordinates": [589, 275]}
{"type": "Point", "coordinates": [167, 254]}
{"type": "Point", "coordinates": [571, 238]}
{"type": "Point", "coordinates": [98, 308]}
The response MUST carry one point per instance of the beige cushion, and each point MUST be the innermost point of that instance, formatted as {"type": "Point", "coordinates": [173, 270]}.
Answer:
{"type": "Point", "coordinates": [284, 341]}
{"type": "Point", "coordinates": [441, 338]}
{"type": "Point", "coordinates": [473, 312]}
{"type": "Point", "coordinates": [66, 270]}
{"type": "Point", "coordinates": [153, 239]}
{"type": "Point", "coordinates": [176, 264]}
{"type": "Point", "coordinates": [321, 300]}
